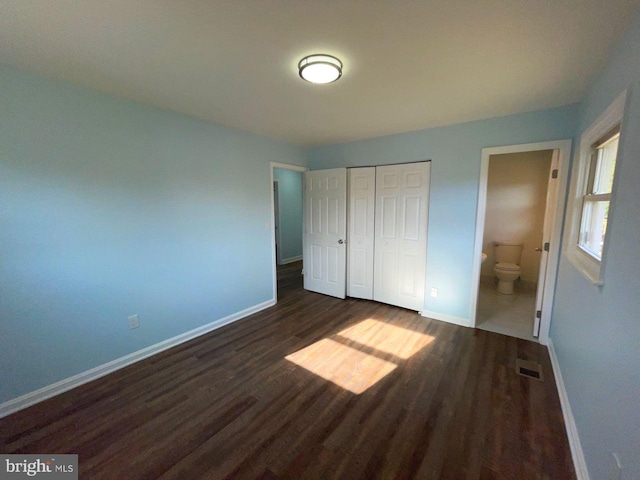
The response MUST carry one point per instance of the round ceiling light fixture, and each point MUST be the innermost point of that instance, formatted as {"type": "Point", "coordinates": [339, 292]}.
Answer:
{"type": "Point", "coordinates": [320, 68]}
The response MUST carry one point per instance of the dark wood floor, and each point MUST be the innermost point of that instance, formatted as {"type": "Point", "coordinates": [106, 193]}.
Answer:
{"type": "Point", "coordinates": [230, 405]}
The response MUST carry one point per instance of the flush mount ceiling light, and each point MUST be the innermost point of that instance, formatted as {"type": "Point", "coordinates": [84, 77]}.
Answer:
{"type": "Point", "coordinates": [320, 68]}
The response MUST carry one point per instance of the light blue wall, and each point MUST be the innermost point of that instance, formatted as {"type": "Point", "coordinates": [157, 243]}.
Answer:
{"type": "Point", "coordinates": [290, 195]}
{"type": "Point", "coordinates": [596, 332]}
{"type": "Point", "coordinates": [110, 208]}
{"type": "Point", "coordinates": [455, 152]}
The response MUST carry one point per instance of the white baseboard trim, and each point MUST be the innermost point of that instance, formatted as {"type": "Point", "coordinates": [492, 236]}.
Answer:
{"type": "Point", "coordinates": [24, 401]}
{"type": "Point", "coordinates": [570, 424]}
{"type": "Point", "coordinates": [284, 261]}
{"type": "Point", "coordinates": [443, 317]}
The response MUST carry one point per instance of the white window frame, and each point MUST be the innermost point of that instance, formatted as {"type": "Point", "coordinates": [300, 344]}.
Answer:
{"type": "Point", "coordinates": [584, 262]}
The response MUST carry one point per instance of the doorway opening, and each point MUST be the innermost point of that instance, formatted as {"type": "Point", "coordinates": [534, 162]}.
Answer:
{"type": "Point", "coordinates": [517, 191]}
{"type": "Point", "coordinates": [518, 226]}
{"type": "Point", "coordinates": [286, 225]}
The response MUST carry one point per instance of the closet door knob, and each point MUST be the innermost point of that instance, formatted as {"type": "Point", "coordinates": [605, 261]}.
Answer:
{"type": "Point", "coordinates": [340, 241]}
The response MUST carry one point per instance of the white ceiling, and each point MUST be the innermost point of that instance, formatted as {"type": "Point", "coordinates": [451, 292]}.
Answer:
{"type": "Point", "coordinates": [408, 65]}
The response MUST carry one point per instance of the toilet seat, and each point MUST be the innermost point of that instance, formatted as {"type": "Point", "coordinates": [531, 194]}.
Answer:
{"type": "Point", "coordinates": [507, 267]}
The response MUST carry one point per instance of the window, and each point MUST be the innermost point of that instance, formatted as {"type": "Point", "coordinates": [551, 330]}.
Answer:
{"type": "Point", "coordinates": [590, 201]}
{"type": "Point", "coordinates": [595, 202]}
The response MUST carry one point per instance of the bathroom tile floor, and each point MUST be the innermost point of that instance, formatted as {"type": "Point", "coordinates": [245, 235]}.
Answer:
{"type": "Point", "coordinates": [506, 314]}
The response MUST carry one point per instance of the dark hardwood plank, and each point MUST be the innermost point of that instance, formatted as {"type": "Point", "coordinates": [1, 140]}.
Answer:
{"type": "Point", "coordinates": [230, 405]}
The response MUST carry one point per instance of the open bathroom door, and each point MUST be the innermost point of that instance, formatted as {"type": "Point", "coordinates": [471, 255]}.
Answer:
{"type": "Point", "coordinates": [325, 228]}
{"type": "Point", "coordinates": [549, 216]}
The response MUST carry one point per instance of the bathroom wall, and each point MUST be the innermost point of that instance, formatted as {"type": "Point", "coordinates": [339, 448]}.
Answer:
{"type": "Point", "coordinates": [516, 200]}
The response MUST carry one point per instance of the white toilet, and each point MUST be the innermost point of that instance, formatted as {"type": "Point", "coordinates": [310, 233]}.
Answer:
{"type": "Point", "coordinates": [507, 267]}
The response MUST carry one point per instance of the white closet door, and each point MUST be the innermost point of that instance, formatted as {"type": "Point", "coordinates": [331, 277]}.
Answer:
{"type": "Point", "coordinates": [362, 195]}
{"type": "Point", "coordinates": [325, 225]}
{"type": "Point", "coordinates": [402, 198]}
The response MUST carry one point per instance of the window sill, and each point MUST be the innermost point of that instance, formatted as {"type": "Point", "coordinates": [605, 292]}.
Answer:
{"type": "Point", "coordinates": [586, 265]}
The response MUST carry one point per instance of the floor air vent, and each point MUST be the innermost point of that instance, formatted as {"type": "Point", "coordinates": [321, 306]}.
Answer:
{"type": "Point", "coordinates": [528, 369]}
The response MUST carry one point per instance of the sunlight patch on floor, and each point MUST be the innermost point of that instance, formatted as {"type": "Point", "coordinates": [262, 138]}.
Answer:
{"type": "Point", "coordinates": [347, 367]}
{"type": "Point", "coordinates": [398, 341]}
{"type": "Point", "coordinates": [356, 370]}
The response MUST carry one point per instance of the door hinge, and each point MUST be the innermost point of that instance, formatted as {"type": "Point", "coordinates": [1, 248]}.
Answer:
{"type": "Point", "coordinates": [538, 314]}
{"type": "Point", "coordinates": [546, 247]}
{"type": "Point", "coordinates": [554, 173]}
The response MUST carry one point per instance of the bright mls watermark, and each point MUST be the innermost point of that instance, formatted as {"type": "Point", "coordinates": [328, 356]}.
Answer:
{"type": "Point", "coordinates": [49, 466]}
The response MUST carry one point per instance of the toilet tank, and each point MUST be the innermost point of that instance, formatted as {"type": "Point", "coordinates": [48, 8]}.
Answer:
{"type": "Point", "coordinates": [507, 252]}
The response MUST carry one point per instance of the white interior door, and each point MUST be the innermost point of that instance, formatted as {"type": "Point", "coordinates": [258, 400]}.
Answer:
{"type": "Point", "coordinates": [549, 216]}
{"type": "Point", "coordinates": [325, 225]}
{"type": "Point", "coordinates": [361, 216]}
{"type": "Point", "coordinates": [402, 198]}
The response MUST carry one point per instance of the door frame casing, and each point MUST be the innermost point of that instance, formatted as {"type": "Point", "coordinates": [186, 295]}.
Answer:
{"type": "Point", "coordinates": [564, 151]}
{"type": "Point", "coordinates": [274, 264]}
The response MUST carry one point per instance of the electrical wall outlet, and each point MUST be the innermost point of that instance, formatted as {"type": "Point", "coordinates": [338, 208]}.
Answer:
{"type": "Point", "coordinates": [134, 321]}
{"type": "Point", "coordinates": [434, 292]}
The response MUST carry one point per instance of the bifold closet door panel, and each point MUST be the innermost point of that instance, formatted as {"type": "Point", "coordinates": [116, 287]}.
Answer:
{"type": "Point", "coordinates": [325, 227]}
{"type": "Point", "coordinates": [361, 216]}
{"type": "Point", "coordinates": [400, 243]}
